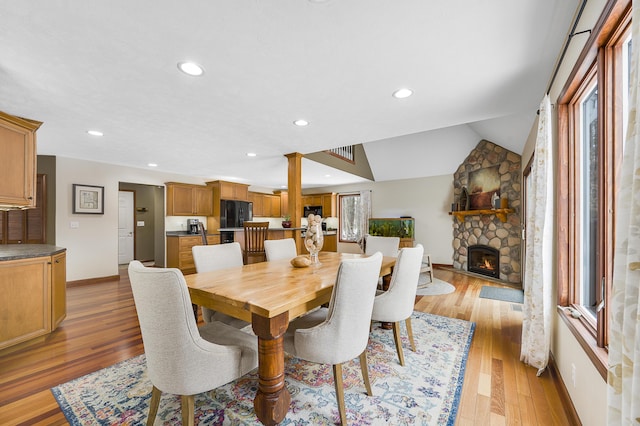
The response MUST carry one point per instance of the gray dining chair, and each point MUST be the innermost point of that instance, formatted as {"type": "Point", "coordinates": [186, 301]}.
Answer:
{"type": "Point", "coordinates": [280, 249]}
{"type": "Point", "coordinates": [212, 258]}
{"type": "Point", "coordinates": [181, 358]}
{"type": "Point", "coordinates": [340, 333]}
{"type": "Point", "coordinates": [396, 304]}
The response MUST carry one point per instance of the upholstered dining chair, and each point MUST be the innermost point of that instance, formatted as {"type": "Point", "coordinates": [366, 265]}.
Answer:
{"type": "Point", "coordinates": [280, 249]}
{"type": "Point", "coordinates": [396, 304]}
{"type": "Point", "coordinates": [388, 246]}
{"type": "Point", "coordinates": [212, 258]}
{"type": "Point", "coordinates": [181, 358]}
{"type": "Point", "coordinates": [339, 333]}
{"type": "Point", "coordinates": [254, 235]}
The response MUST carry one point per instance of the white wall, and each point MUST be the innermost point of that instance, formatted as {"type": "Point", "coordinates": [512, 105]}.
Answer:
{"type": "Point", "coordinates": [428, 200]}
{"type": "Point", "coordinates": [589, 396]}
{"type": "Point", "coordinates": [92, 247]}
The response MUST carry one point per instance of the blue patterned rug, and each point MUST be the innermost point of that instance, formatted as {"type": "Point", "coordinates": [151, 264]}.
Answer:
{"type": "Point", "coordinates": [424, 392]}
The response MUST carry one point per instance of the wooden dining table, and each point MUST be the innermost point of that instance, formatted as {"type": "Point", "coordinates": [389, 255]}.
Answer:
{"type": "Point", "coordinates": [269, 295]}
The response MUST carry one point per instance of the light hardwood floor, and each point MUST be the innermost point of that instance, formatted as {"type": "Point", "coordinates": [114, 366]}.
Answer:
{"type": "Point", "coordinates": [101, 329]}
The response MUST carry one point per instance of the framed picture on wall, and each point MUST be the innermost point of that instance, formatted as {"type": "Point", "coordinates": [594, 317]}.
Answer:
{"type": "Point", "coordinates": [88, 199]}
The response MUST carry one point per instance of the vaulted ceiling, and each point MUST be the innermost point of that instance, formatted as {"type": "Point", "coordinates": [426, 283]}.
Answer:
{"type": "Point", "coordinates": [478, 70]}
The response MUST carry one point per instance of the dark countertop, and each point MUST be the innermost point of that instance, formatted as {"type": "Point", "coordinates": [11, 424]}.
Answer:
{"type": "Point", "coordinates": [26, 251]}
{"type": "Point", "coordinates": [183, 234]}
{"type": "Point", "coordinates": [270, 229]}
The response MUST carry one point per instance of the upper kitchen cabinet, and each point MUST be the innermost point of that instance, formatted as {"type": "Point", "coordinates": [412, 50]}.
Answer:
{"type": "Point", "coordinates": [326, 200]}
{"type": "Point", "coordinates": [265, 205]}
{"type": "Point", "coordinates": [230, 190]}
{"type": "Point", "coordinates": [189, 200]}
{"type": "Point", "coordinates": [18, 161]}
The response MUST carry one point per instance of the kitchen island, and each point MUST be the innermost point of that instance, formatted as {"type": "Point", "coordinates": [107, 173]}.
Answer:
{"type": "Point", "coordinates": [33, 287]}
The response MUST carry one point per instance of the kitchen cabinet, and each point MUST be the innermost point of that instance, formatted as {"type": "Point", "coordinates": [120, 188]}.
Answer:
{"type": "Point", "coordinates": [18, 161]}
{"type": "Point", "coordinates": [189, 200]}
{"type": "Point", "coordinates": [233, 191]}
{"type": "Point", "coordinates": [58, 289]}
{"type": "Point", "coordinates": [258, 203]}
{"type": "Point", "coordinates": [265, 205]}
{"type": "Point", "coordinates": [326, 200]}
{"type": "Point", "coordinates": [179, 254]}
{"type": "Point", "coordinates": [284, 202]}
{"type": "Point", "coordinates": [33, 292]}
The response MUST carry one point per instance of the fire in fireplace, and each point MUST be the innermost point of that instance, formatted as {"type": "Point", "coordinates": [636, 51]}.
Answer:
{"type": "Point", "coordinates": [484, 260]}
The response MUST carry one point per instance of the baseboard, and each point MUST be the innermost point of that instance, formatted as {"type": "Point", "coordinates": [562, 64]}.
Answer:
{"type": "Point", "coordinates": [565, 399]}
{"type": "Point", "coordinates": [90, 281]}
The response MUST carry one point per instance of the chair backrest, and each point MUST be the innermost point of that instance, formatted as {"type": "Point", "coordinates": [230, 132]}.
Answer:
{"type": "Point", "coordinates": [217, 256]}
{"type": "Point", "coordinates": [172, 344]}
{"type": "Point", "coordinates": [388, 246]}
{"type": "Point", "coordinates": [345, 333]}
{"type": "Point", "coordinates": [396, 304]}
{"type": "Point", "coordinates": [280, 249]}
{"type": "Point", "coordinates": [254, 235]}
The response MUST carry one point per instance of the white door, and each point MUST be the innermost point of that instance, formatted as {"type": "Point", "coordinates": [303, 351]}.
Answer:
{"type": "Point", "coordinates": [125, 226]}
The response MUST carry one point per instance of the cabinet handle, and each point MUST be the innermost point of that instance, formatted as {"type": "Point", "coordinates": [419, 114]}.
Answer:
{"type": "Point", "coordinates": [57, 260]}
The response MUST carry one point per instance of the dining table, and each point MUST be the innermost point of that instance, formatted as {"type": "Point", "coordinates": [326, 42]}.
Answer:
{"type": "Point", "coordinates": [269, 295]}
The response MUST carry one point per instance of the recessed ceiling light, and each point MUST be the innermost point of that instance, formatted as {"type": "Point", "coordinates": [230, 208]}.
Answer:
{"type": "Point", "coordinates": [191, 68]}
{"type": "Point", "coordinates": [95, 133]}
{"type": "Point", "coordinates": [152, 165]}
{"type": "Point", "coordinates": [402, 93]}
{"type": "Point", "coordinates": [251, 154]}
{"type": "Point", "coordinates": [301, 123]}
{"type": "Point", "coordinates": [327, 176]}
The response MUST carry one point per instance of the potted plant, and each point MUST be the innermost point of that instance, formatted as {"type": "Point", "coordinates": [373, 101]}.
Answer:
{"type": "Point", "coordinates": [286, 221]}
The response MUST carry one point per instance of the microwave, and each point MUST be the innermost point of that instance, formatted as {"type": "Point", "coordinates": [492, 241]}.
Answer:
{"type": "Point", "coordinates": [317, 210]}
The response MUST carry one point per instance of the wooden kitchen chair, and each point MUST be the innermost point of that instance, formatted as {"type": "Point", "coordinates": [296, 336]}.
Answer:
{"type": "Point", "coordinates": [254, 235]}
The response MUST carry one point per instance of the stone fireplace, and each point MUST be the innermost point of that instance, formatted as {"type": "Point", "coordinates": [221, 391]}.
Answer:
{"type": "Point", "coordinates": [498, 230]}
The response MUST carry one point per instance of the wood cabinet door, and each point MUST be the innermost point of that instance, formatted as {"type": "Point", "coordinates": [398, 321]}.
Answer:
{"type": "Point", "coordinates": [203, 201]}
{"type": "Point", "coordinates": [18, 161]}
{"type": "Point", "coordinates": [181, 201]}
{"type": "Point", "coordinates": [58, 289]}
{"type": "Point", "coordinates": [275, 206]}
{"type": "Point", "coordinates": [328, 205]}
{"type": "Point", "coordinates": [258, 203]}
{"type": "Point", "coordinates": [26, 307]}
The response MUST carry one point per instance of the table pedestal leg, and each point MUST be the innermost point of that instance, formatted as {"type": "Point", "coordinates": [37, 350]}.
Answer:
{"type": "Point", "coordinates": [273, 398]}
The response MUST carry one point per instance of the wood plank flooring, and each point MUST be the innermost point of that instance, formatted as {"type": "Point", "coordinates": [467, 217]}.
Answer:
{"type": "Point", "coordinates": [101, 329]}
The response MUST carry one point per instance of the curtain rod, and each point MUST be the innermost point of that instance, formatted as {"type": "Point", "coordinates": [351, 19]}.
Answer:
{"type": "Point", "coordinates": [566, 44]}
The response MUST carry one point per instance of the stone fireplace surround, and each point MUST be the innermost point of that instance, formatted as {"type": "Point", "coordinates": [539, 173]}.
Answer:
{"type": "Point", "coordinates": [487, 229]}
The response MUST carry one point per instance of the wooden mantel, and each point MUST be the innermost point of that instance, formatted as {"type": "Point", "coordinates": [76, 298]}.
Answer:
{"type": "Point", "coordinates": [500, 213]}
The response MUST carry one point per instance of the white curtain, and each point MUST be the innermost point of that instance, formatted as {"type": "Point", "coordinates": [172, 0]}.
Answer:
{"type": "Point", "coordinates": [623, 376]}
{"type": "Point", "coordinates": [538, 301]}
{"type": "Point", "coordinates": [362, 217]}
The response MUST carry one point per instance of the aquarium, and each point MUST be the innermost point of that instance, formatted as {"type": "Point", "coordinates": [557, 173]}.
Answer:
{"type": "Point", "coordinates": [402, 227]}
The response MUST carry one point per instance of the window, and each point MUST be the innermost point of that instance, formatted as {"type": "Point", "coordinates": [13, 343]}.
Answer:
{"type": "Point", "coordinates": [350, 205]}
{"type": "Point", "coordinates": [592, 114]}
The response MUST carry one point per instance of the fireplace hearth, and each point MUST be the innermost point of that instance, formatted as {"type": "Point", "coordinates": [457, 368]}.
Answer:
{"type": "Point", "coordinates": [484, 260]}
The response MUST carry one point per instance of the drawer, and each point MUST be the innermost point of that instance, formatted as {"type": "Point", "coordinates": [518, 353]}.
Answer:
{"type": "Point", "coordinates": [187, 242]}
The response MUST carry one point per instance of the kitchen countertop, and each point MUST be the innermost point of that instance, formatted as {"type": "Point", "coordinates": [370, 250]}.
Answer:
{"type": "Point", "coordinates": [270, 229]}
{"type": "Point", "coordinates": [183, 234]}
{"type": "Point", "coordinates": [26, 251]}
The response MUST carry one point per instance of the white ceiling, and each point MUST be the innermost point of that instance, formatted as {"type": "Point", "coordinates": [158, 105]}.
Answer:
{"type": "Point", "coordinates": [478, 70]}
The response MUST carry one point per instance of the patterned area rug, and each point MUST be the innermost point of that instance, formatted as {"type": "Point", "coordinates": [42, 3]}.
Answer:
{"type": "Point", "coordinates": [424, 392]}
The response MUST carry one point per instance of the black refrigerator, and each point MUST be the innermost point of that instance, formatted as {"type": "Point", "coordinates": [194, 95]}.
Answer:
{"type": "Point", "coordinates": [234, 213]}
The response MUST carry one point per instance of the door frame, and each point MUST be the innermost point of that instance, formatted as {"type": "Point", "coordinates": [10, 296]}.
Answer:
{"type": "Point", "coordinates": [133, 214]}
